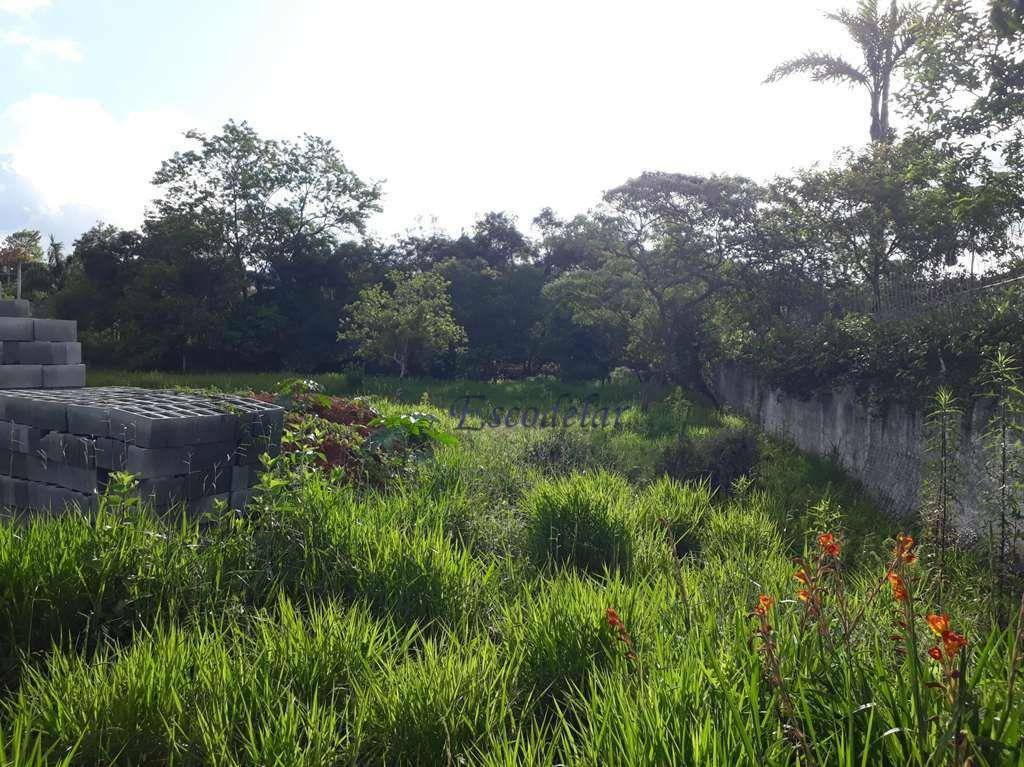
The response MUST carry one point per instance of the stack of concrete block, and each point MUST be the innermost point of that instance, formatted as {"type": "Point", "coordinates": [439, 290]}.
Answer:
{"type": "Point", "coordinates": [59, 447]}
{"type": "Point", "coordinates": [38, 353]}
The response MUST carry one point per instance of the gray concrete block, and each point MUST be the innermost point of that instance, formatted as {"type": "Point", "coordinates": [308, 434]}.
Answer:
{"type": "Point", "coordinates": [111, 454]}
{"type": "Point", "coordinates": [240, 499]}
{"type": "Point", "coordinates": [243, 477]}
{"type": "Point", "coordinates": [69, 448]}
{"type": "Point", "coordinates": [53, 330]}
{"type": "Point", "coordinates": [151, 429]}
{"type": "Point", "coordinates": [163, 492]}
{"type": "Point", "coordinates": [63, 376]}
{"type": "Point", "coordinates": [42, 352]}
{"type": "Point", "coordinates": [212, 481]}
{"type": "Point", "coordinates": [14, 464]}
{"type": "Point", "coordinates": [21, 376]}
{"type": "Point", "coordinates": [15, 307]}
{"type": "Point", "coordinates": [76, 478]}
{"type": "Point", "coordinates": [17, 329]}
{"type": "Point", "coordinates": [19, 438]}
{"type": "Point", "coordinates": [172, 461]}
{"type": "Point", "coordinates": [58, 500]}
{"type": "Point", "coordinates": [38, 411]}
{"type": "Point", "coordinates": [13, 492]}
{"type": "Point", "coordinates": [89, 419]}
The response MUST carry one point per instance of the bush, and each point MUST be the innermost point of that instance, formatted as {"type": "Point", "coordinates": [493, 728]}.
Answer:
{"type": "Point", "coordinates": [420, 577]}
{"type": "Point", "coordinates": [235, 694]}
{"type": "Point", "coordinates": [580, 522]}
{"type": "Point", "coordinates": [721, 457]}
{"type": "Point", "coordinates": [434, 708]}
{"type": "Point", "coordinates": [557, 637]}
{"type": "Point", "coordinates": [679, 512]}
{"type": "Point", "coordinates": [730, 453]}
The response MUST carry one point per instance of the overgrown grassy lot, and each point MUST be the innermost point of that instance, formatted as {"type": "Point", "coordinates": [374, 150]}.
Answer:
{"type": "Point", "coordinates": [525, 596]}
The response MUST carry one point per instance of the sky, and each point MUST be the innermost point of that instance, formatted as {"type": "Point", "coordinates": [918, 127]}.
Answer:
{"type": "Point", "coordinates": [459, 108]}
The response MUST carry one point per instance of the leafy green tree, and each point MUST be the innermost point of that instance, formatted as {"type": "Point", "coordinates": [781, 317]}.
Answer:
{"type": "Point", "coordinates": [18, 249]}
{"type": "Point", "coordinates": [670, 245]}
{"type": "Point", "coordinates": [965, 78]}
{"type": "Point", "coordinates": [884, 38]}
{"type": "Point", "coordinates": [256, 196]}
{"type": "Point", "coordinates": [406, 325]}
{"type": "Point", "coordinates": [892, 213]}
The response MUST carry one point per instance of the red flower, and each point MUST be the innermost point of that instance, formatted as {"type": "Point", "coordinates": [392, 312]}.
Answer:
{"type": "Point", "coordinates": [764, 604]}
{"type": "Point", "coordinates": [803, 595]}
{"type": "Point", "coordinates": [613, 619]}
{"type": "Point", "coordinates": [952, 643]}
{"type": "Point", "coordinates": [935, 653]}
{"type": "Point", "coordinates": [829, 545]}
{"type": "Point", "coordinates": [899, 588]}
{"type": "Point", "coordinates": [939, 624]}
{"type": "Point", "coordinates": [905, 549]}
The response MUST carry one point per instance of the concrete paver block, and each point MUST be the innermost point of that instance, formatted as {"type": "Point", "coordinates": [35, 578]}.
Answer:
{"type": "Point", "coordinates": [52, 330]}
{"type": "Point", "coordinates": [17, 329]}
{"type": "Point", "coordinates": [57, 500]}
{"type": "Point", "coordinates": [21, 376]}
{"type": "Point", "coordinates": [69, 448]}
{"type": "Point", "coordinates": [15, 307]}
{"type": "Point", "coordinates": [19, 438]}
{"type": "Point", "coordinates": [38, 411]}
{"type": "Point", "coordinates": [77, 478]}
{"type": "Point", "coordinates": [42, 352]}
{"type": "Point", "coordinates": [63, 376]}
{"type": "Point", "coordinates": [171, 461]}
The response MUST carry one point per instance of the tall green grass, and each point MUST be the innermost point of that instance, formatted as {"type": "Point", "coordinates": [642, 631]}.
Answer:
{"type": "Point", "coordinates": [460, 616]}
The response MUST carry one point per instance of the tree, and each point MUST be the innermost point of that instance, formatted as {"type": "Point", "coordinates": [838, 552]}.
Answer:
{"type": "Point", "coordinates": [965, 78]}
{"type": "Point", "coordinates": [258, 196]}
{"type": "Point", "coordinates": [671, 243]}
{"type": "Point", "coordinates": [406, 325]}
{"type": "Point", "coordinates": [884, 40]}
{"type": "Point", "coordinates": [899, 211]}
{"type": "Point", "coordinates": [21, 248]}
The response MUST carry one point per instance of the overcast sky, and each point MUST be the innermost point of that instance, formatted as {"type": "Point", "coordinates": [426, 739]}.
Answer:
{"type": "Point", "coordinates": [459, 107]}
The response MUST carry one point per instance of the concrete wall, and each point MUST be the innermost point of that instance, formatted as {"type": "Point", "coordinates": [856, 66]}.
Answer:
{"type": "Point", "coordinates": [880, 445]}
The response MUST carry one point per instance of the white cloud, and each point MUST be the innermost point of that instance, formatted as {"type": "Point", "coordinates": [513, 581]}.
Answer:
{"type": "Point", "coordinates": [74, 155]}
{"type": "Point", "coordinates": [23, 7]}
{"type": "Point", "coordinates": [58, 48]}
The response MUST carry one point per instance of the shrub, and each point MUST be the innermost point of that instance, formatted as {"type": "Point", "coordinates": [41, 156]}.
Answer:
{"type": "Point", "coordinates": [557, 637]}
{"type": "Point", "coordinates": [80, 580]}
{"type": "Point", "coordinates": [434, 708]}
{"type": "Point", "coordinates": [563, 451]}
{"type": "Point", "coordinates": [231, 694]}
{"type": "Point", "coordinates": [420, 577]}
{"type": "Point", "coordinates": [721, 456]}
{"type": "Point", "coordinates": [579, 522]}
{"type": "Point", "coordinates": [679, 510]}
{"type": "Point", "coordinates": [730, 454]}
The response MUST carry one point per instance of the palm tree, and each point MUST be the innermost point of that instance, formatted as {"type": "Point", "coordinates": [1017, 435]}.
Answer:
{"type": "Point", "coordinates": [884, 40]}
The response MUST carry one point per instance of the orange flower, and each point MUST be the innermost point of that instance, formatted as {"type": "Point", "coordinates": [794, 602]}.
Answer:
{"type": "Point", "coordinates": [935, 653]}
{"type": "Point", "coordinates": [803, 595]}
{"type": "Point", "coordinates": [899, 588]}
{"type": "Point", "coordinates": [952, 643]}
{"type": "Point", "coordinates": [939, 624]}
{"type": "Point", "coordinates": [764, 604]}
{"type": "Point", "coordinates": [801, 576]}
{"type": "Point", "coordinates": [905, 549]}
{"type": "Point", "coordinates": [613, 619]}
{"type": "Point", "coordinates": [829, 545]}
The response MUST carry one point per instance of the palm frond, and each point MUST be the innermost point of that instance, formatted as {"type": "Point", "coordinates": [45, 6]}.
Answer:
{"type": "Point", "coordinates": [822, 67]}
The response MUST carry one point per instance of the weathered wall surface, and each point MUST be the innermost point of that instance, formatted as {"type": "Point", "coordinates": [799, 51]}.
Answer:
{"type": "Point", "coordinates": [882, 446]}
